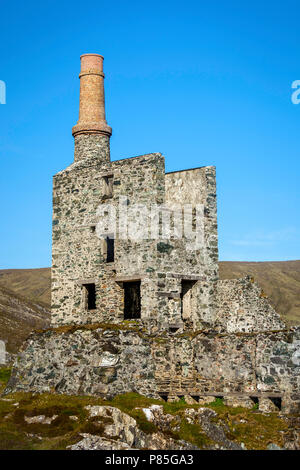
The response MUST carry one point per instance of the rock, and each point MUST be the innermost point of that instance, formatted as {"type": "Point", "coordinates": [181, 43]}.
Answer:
{"type": "Point", "coordinates": [108, 359]}
{"type": "Point", "coordinates": [123, 425]}
{"type": "Point", "coordinates": [273, 447]}
{"type": "Point", "coordinates": [34, 436]}
{"type": "Point", "coordinates": [90, 442]}
{"type": "Point", "coordinates": [41, 419]}
{"type": "Point", "coordinates": [173, 399]}
{"type": "Point", "coordinates": [74, 418]}
{"type": "Point", "coordinates": [153, 411]}
{"type": "Point", "coordinates": [158, 441]}
{"type": "Point", "coordinates": [194, 416]}
{"type": "Point", "coordinates": [156, 415]}
{"type": "Point", "coordinates": [215, 432]}
{"type": "Point", "coordinates": [125, 428]}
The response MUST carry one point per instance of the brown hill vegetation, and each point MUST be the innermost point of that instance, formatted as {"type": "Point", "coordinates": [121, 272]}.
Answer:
{"type": "Point", "coordinates": [18, 317]}
{"type": "Point", "coordinates": [34, 284]}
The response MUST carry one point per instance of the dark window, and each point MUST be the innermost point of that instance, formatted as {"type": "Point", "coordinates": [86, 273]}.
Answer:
{"type": "Point", "coordinates": [164, 397]}
{"type": "Point", "coordinates": [90, 296]}
{"type": "Point", "coordinates": [132, 300]}
{"type": "Point", "coordinates": [110, 250]}
{"type": "Point", "coordinates": [277, 401]}
{"type": "Point", "coordinates": [173, 329]}
{"type": "Point", "coordinates": [255, 400]}
{"type": "Point", "coordinates": [195, 397]}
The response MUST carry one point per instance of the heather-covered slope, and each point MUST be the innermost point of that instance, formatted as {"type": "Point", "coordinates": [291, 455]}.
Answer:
{"type": "Point", "coordinates": [34, 284]}
{"type": "Point", "coordinates": [18, 317]}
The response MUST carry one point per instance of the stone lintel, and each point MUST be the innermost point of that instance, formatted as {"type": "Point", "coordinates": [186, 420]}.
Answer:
{"type": "Point", "coordinates": [172, 295]}
{"type": "Point", "coordinates": [111, 172]}
{"type": "Point", "coordinates": [135, 277]}
{"type": "Point", "coordinates": [186, 277]}
{"type": "Point", "coordinates": [80, 282]}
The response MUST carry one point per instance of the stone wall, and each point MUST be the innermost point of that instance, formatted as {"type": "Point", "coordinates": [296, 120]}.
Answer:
{"type": "Point", "coordinates": [91, 146]}
{"type": "Point", "coordinates": [194, 187]}
{"type": "Point", "coordinates": [243, 306]}
{"type": "Point", "coordinates": [108, 360]}
{"type": "Point", "coordinates": [78, 255]}
{"type": "Point", "coordinates": [160, 264]}
{"type": "Point", "coordinates": [233, 305]}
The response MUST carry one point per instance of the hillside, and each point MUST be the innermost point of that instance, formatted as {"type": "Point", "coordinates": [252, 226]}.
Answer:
{"type": "Point", "coordinates": [34, 284]}
{"type": "Point", "coordinates": [25, 295]}
{"type": "Point", "coordinates": [18, 317]}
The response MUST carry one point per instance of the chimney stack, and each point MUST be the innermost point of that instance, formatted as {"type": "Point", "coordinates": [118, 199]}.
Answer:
{"type": "Point", "coordinates": [91, 132]}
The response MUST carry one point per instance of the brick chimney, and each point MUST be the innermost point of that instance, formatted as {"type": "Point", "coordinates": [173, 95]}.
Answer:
{"type": "Point", "coordinates": [91, 133]}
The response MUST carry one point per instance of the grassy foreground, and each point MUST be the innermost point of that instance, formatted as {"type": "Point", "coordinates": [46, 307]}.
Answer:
{"type": "Point", "coordinates": [254, 429]}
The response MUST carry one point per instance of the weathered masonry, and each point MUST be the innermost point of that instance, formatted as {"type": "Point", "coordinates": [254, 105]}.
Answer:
{"type": "Point", "coordinates": [149, 313]}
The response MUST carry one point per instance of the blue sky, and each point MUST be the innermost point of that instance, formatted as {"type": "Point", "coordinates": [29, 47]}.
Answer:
{"type": "Point", "coordinates": [205, 83]}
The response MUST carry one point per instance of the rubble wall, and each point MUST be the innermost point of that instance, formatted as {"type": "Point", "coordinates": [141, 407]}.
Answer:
{"type": "Point", "coordinates": [106, 361]}
{"type": "Point", "coordinates": [78, 255]}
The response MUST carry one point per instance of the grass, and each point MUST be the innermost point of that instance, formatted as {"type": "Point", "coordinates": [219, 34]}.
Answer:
{"type": "Point", "coordinates": [4, 377]}
{"type": "Point", "coordinates": [63, 431]}
{"type": "Point", "coordinates": [255, 429]}
{"type": "Point", "coordinates": [217, 403]}
{"type": "Point", "coordinates": [194, 434]}
{"type": "Point", "coordinates": [126, 325]}
{"type": "Point", "coordinates": [5, 374]}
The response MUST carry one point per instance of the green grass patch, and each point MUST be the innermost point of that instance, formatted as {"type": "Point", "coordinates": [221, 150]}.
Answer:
{"type": "Point", "coordinates": [62, 431]}
{"type": "Point", "coordinates": [217, 403]}
{"type": "Point", "coordinates": [5, 374]}
{"type": "Point", "coordinates": [194, 433]}
{"type": "Point", "coordinates": [255, 429]}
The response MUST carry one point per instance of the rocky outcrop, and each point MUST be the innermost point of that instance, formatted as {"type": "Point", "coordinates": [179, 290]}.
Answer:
{"type": "Point", "coordinates": [122, 433]}
{"type": "Point", "coordinates": [91, 442]}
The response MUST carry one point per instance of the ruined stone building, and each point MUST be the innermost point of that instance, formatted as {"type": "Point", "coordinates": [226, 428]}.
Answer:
{"type": "Point", "coordinates": [107, 278]}
{"type": "Point", "coordinates": [149, 314]}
